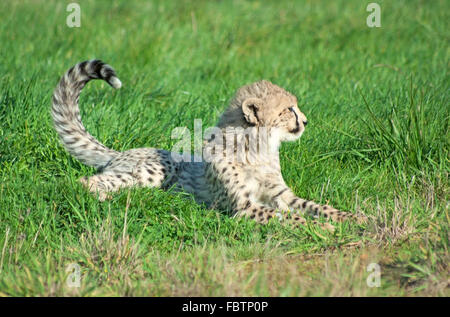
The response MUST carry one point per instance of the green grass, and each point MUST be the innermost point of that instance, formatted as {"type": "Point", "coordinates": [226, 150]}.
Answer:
{"type": "Point", "coordinates": [378, 142]}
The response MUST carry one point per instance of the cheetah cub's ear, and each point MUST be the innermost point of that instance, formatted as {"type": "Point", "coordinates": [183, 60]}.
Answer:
{"type": "Point", "coordinates": [251, 107]}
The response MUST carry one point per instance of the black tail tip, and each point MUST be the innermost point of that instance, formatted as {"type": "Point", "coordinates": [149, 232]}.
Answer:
{"type": "Point", "coordinates": [99, 69]}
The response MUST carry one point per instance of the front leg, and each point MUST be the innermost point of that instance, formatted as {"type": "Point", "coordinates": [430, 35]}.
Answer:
{"type": "Point", "coordinates": [283, 197]}
{"type": "Point", "coordinates": [261, 213]}
{"type": "Point", "coordinates": [239, 193]}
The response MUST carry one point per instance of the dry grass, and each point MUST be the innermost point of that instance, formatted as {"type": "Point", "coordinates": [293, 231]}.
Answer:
{"type": "Point", "coordinates": [212, 272]}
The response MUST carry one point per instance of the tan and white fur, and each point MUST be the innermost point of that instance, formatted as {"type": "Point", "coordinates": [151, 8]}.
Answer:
{"type": "Point", "coordinates": [246, 183]}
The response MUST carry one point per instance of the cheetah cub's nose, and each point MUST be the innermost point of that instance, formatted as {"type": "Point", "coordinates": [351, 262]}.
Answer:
{"type": "Point", "coordinates": [305, 123]}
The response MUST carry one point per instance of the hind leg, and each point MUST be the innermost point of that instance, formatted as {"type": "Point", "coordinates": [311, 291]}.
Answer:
{"type": "Point", "coordinates": [103, 184]}
{"type": "Point", "coordinates": [106, 183]}
{"type": "Point", "coordinates": [141, 168]}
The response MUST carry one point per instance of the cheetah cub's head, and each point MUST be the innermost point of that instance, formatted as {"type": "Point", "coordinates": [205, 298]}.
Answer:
{"type": "Point", "coordinates": [263, 104]}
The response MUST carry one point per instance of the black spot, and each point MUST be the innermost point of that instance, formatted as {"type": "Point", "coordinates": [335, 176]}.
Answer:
{"type": "Point", "coordinates": [282, 191]}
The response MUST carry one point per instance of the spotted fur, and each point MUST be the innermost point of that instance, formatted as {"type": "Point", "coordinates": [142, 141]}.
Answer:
{"type": "Point", "coordinates": [242, 176]}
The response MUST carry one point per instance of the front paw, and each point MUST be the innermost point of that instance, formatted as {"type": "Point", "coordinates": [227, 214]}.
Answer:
{"type": "Point", "coordinates": [327, 226]}
{"type": "Point", "coordinates": [361, 219]}
{"type": "Point", "coordinates": [340, 216]}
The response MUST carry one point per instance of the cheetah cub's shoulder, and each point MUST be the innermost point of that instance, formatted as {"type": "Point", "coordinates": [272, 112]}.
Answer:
{"type": "Point", "coordinates": [241, 170]}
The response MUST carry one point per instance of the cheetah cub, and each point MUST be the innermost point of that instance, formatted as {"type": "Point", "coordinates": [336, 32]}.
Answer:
{"type": "Point", "coordinates": [242, 176]}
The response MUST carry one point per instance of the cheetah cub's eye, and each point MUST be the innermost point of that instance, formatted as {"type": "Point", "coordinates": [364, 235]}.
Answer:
{"type": "Point", "coordinates": [291, 109]}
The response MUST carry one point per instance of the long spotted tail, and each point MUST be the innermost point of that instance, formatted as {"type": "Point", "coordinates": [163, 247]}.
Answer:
{"type": "Point", "coordinates": [66, 113]}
